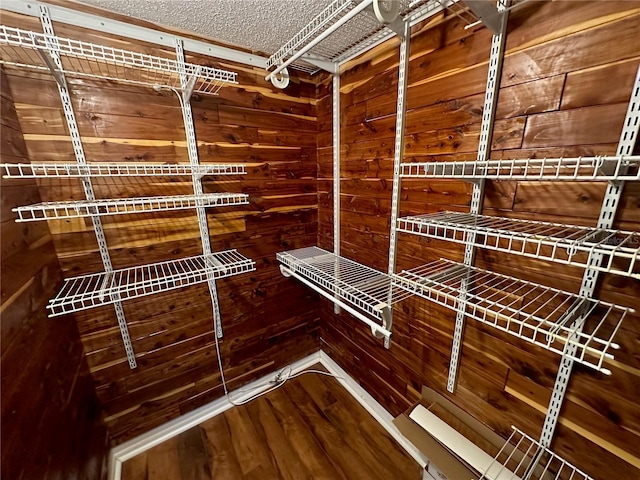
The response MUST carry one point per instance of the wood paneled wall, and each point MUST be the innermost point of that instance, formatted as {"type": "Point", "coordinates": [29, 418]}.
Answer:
{"type": "Point", "coordinates": [268, 321]}
{"type": "Point", "coordinates": [51, 422]}
{"type": "Point", "coordinates": [567, 79]}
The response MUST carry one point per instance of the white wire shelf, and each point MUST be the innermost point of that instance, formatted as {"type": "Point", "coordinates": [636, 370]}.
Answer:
{"type": "Point", "coordinates": [29, 49]}
{"type": "Point", "coordinates": [73, 170]}
{"type": "Point", "coordinates": [87, 208]}
{"type": "Point", "coordinates": [359, 31]}
{"type": "Point", "coordinates": [88, 291]}
{"type": "Point", "coordinates": [522, 457]}
{"type": "Point", "coordinates": [368, 290]}
{"type": "Point", "coordinates": [565, 244]}
{"type": "Point", "coordinates": [536, 313]}
{"type": "Point", "coordinates": [598, 168]}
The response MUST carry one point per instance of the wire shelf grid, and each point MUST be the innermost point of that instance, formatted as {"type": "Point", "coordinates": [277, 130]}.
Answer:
{"type": "Point", "coordinates": [524, 458]}
{"type": "Point", "coordinates": [90, 208]}
{"type": "Point", "coordinates": [535, 313]}
{"type": "Point", "coordinates": [359, 285]}
{"type": "Point", "coordinates": [88, 291]}
{"type": "Point", "coordinates": [358, 31]}
{"type": "Point", "coordinates": [319, 24]}
{"type": "Point", "coordinates": [565, 244]}
{"type": "Point", "coordinates": [358, 34]}
{"type": "Point", "coordinates": [372, 33]}
{"type": "Point", "coordinates": [598, 168]}
{"type": "Point", "coordinates": [74, 170]}
{"type": "Point", "coordinates": [29, 49]}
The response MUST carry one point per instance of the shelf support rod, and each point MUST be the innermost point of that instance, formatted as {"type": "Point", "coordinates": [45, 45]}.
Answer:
{"type": "Point", "coordinates": [484, 148]}
{"type": "Point", "coordinates": [398, 154]}
{"type": "Point", "coordinates": [487, 14]}
{"type": "Point", "coordinates": [52, 67]}
{"type": "Point", "coordinates": [320, 62]}
{"type": "Point", "coordinates": [192, 149]}
{"type": "Point", "coordinates": [377, 329]}
{"type": "Point", "coordinates": [336, 173]}
{"type": "Point", "coordinates": [187, 88]}
{"type": "Point", "coordinates": [78, 150]}
{"type": "Point", "coordinates": [610, 204]}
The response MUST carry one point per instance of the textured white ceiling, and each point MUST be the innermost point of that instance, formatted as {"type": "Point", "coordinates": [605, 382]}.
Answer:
{"type": "Point", "coordinates": [259, 25]}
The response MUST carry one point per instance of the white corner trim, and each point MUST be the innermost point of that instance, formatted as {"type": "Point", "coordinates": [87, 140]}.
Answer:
{"type": "Point", "coordinates": [377, 411]}
{"type": "Point", "coordinates": [150, 439]}
{"type": "Point", "coordinates": [123, 29]}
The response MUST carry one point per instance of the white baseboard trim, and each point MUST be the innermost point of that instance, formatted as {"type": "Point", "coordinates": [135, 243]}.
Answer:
{"type": "Point", "coordinates": [377, 411]}
{"type": "Point", "coordinates": [150, 439]}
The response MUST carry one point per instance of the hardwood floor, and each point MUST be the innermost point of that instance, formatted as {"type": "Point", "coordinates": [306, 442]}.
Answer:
{"type": "Point", "coordinates": [310, 428]}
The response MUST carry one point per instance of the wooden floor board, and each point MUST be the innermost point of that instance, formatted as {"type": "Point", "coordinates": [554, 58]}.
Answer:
{"type": "Point", "coordinates": [298, 432]}
{"type": "Point", "coordinates": [309, 429]}
{"type": "Point", "coordinates": [224, 461]}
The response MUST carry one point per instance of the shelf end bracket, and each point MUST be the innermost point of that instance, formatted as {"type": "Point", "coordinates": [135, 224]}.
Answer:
{"type": "Point", "coordinates": [488, 14]}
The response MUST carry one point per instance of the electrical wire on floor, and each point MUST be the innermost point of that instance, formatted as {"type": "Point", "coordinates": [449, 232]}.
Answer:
{"type": "Point", "coordinates": [280, 379]}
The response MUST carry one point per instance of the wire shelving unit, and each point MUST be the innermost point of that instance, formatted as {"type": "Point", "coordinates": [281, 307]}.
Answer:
{"type": "Point", "coordinates": [536, 313]}
{"type": "Point", "coordinates": [123, 206]}
{"type": "Point", "coordinates": [566, 244]}
{"type": "Point", "coordinates": [522, 457]}
{"type": "Point", "coordinates": [348, 282]}
{"type": "Point", "coordinates": [598, 168]}
{"type": "Point", "coordinates": [24, 48]}
{"type": "Point", "coordinates": [64, 57]}
{"type": "Point", "coordinates": [359, 29]}
{"type": "Point", "coordinates": [130, 169]}
{"type": "Point", "coordinates": [88, 291]}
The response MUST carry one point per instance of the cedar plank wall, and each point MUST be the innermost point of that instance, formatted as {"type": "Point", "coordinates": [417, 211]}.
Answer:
{"type": "Point", "coordinates": [268, 321]}
{"type": "Point", "coordinates": [51, 423]}
{"type": "Point", "coordinates": [567, 79]}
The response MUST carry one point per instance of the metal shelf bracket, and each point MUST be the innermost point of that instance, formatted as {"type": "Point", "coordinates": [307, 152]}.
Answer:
{"type": "Point", "coordinates": [488, 14]}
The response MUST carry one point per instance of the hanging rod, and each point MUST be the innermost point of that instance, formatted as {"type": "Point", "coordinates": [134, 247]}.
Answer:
{"type": "Point", "coordinates": [362, 24]}
{"type": "Point", "coordinates": [361, 290]}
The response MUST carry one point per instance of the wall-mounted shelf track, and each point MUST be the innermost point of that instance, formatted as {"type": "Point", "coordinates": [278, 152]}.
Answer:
{"type": "Point", "coordinates": [73, 170]}
{"type": "Point", "coordinates": [359, 289]}
{"type": "Point", "coordinates": [535, 313]}
{"type": "Point", "coordinates": [566, 244]}
{"type": "Point", "coordinates": [123, 206]}
{"type": "Point", "coordinates": [589, 169]}
{"type": "Point", "coordinates": [29, 49]}
{"type": "Point", "coordinates": [522, 457]}
{"type": "Point", "coordinates": [88, 291]}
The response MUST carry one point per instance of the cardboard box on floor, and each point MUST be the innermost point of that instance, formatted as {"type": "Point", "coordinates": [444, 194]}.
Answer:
{"type": "Point", "coordinates": [443, 463]}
